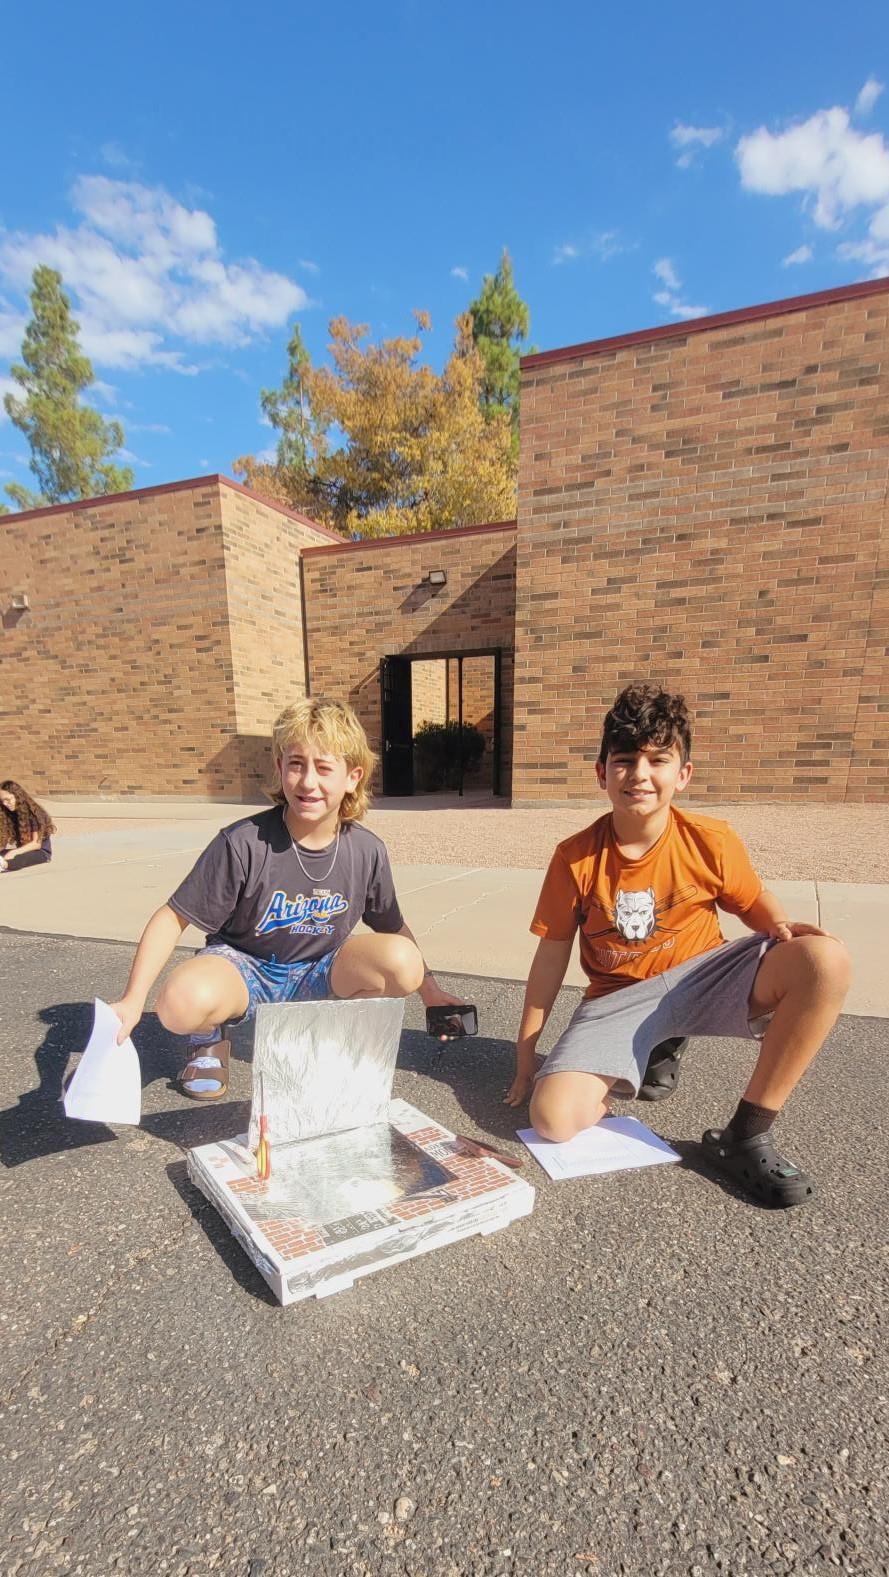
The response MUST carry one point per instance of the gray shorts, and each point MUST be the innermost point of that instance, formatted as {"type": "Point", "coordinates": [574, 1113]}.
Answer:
{"type": "Point", "coordinates": [709, 995]}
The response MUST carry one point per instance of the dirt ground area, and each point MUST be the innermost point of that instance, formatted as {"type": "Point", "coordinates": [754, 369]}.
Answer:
{"type": "Point", "coordinates": [806, 842]}
{"type": "Point", "coordinates": [830, 843]}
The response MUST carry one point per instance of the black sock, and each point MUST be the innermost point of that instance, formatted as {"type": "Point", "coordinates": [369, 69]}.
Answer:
{"type": "Point", "coordinates": [750, 1120]}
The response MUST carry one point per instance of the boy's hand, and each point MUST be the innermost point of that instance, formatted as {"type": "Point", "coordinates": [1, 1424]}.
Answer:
{"type": "Point", "coordinates": [129, 1014]}
{"type": "Point", "coordinates": [785, 930]}
{"type": "Point", "coordinates": [520, 1089]}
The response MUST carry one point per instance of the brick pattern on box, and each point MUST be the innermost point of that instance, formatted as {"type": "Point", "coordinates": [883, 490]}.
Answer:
{"type": "Point", "coordinates": [472, 1176]}
{"type": "Point", "coordinates": [367, 602]}
{"type": "Point", "coordinates": [709, 511]}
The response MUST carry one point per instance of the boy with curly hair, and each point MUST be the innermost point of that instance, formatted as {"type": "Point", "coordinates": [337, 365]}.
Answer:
{"type": "Point", "coordinates": [642, 886]}
{"type": "Point", "coordinates": [279, 895]}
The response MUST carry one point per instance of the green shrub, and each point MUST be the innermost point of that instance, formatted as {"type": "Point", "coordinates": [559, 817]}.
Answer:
{"type": "Point", "coordinates": [436, 754]}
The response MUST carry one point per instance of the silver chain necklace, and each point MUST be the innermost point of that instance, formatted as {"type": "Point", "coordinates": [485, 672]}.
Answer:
{"type": "Point", "coordinates": [309, 875]}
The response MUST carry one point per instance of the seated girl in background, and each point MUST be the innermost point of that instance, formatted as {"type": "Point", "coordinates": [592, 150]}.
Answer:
{"type": "Point", "coordinates": [25, 829]}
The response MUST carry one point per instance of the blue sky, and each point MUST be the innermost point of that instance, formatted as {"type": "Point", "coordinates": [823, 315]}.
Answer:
{"type": "Point", "coordinates": [202, 174]}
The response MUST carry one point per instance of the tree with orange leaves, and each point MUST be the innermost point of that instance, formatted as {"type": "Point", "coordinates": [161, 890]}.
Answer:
{"type": "Point", "coordinates": [418, 453]}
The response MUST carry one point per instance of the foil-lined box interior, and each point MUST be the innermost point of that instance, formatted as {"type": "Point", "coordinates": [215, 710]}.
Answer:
{"type": "Point", "coordinates": [323, 1067]}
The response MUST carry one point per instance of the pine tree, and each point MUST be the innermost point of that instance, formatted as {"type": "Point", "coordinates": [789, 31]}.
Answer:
{"type": "Point", "coordinates": [289, 411]}
{"type": "Point", "coordinates": [500, 323]}
{"type": "Point", "coordinates": [71, 444]}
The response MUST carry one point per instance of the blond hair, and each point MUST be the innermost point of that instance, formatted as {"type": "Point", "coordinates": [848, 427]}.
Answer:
{"type": "Point", "coordinates": [333, 726]}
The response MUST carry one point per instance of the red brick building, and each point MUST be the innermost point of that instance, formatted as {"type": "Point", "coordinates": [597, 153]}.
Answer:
{"type": "Point", "coordinates": [703, 503]}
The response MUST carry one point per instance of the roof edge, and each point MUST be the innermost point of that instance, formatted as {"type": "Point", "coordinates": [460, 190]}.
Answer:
{"type": "Point", "coordinates": [214, 479]}
{"type": "Point", "coordinates": [363, 543]}
{"type": "Point", "coordinates": [767, 309]}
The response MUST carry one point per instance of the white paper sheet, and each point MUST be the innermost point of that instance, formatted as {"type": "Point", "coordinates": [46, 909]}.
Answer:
{"type": "Point", "coordinates": [615, 1144]}
{"type": "Point", "coordinates": [107, 1085]}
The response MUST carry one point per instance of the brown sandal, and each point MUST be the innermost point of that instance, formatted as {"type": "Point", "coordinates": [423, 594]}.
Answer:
{"type": "Point", "coordinates": [205, 1076]}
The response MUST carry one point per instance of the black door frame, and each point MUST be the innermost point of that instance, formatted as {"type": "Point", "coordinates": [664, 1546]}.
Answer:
{"type": "Point", "coordinates": [396, 726]}
{"type": "Point", "coordinates": [475, 651]}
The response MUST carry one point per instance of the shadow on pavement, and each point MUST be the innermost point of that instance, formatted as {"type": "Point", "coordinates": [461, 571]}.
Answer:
{"type": "Point", "coordinates": [37, 1126]}
{"type": "Point", "coordinates": [218, 1235]}
{"type": "Point", "coordinates": [478, 1071]}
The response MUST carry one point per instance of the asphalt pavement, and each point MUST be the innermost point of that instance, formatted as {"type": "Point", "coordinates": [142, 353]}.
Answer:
{"type": "Point", "coordinates": [648, 1376]}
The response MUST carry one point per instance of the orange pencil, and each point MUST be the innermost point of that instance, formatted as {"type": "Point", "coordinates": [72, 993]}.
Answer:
{"type": "Point", "coordinates": [263, 1149]}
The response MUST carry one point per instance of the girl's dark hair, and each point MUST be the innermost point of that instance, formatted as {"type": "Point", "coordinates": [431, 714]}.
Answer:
{"type": "Point", "coordinates": [645, 715]}
{"type": "Point", "coordinates": [29, 820]}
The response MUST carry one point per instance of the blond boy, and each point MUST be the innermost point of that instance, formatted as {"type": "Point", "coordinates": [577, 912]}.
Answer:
{"type": "Point", "coordinates": [278, 896]}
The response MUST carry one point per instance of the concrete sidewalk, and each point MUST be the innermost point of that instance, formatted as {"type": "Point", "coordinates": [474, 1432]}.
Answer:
{"type": "Point", "coordinates": [104, 882]}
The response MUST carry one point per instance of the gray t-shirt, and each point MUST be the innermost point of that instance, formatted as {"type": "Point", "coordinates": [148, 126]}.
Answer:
{"type": "Point", "coordinates": [249, 890]}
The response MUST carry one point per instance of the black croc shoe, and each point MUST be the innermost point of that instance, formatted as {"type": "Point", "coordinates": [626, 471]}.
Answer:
{"type": "Point", "coordinates": [662, 1073]}
{"type": "Point", "coordinates": [755, 1166]}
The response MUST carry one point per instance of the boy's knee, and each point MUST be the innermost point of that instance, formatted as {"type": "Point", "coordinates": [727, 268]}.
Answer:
{"type": "Point", "coordinates": [827, 961]}
{"type": "Point", "coordinates": [182, 1006]}
{"type": "Point", "coordinates": [404, 966]}
{"type": "Point", "coordinates": [558, 1120]}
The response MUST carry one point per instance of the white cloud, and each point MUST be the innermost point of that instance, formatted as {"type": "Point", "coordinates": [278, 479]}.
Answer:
{"type": "Point", "coordinates": [145, 270]}
{"type": "Point", "coordinates": [691, 139]}
{"type": "Point", "coordinates": [115, 156]}
{"type": "Point", "coordinates": [100, 390]}
{"type": "Point", "coordinates": [803, 254]}
{"type": "Point", "coordinates": [604, 244]}
{"type": "Point", "coordinates": [669, 296]}
{"type": "Point", "coordinates": [684, 136]}
{"type": "Point", "coordinates": [12, 329]}
{"type": "Point", "coordinates": [148, 427]}
{"type": "Point", "coordinates": [868, 96]}
{"type": "Point", "coordinates": [607, 244]}
{"type": "Point", "coordinates": [459, 272]}
{"type": "Point", "coordinates": [127, 456]}
{"type": "Point", "coordinates": [664, 271]}
{"type": "Point", "coordinates": [835, 167]}
{"type": "Point", "coordinates": [308, 265]}
{"type": "Point", "coordinates": [841, 172]}
{"type": "Point", "coordinates": [268, 456]}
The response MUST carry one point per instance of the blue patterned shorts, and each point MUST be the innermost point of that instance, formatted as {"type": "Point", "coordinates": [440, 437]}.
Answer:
{"type": "Point", "coordinates": [268, 981]}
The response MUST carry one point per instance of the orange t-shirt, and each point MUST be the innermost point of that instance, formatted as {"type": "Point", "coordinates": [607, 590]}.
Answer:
{"type": "Point", "coordinates": [640, 917]}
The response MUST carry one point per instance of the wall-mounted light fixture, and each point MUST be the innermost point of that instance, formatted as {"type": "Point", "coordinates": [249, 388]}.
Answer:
{"type": "Point", "coordinates": [436, 577]}
{"type": "Point", "coordinates": [20, 601]}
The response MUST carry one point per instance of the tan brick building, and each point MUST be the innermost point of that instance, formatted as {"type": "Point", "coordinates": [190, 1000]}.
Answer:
{"type": "Point", "coordinates": [703, 503]}
{"type": "Point", "coordinates": [706, 503]}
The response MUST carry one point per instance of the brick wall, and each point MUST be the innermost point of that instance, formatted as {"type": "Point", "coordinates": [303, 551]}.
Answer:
{"type": "Point", "coordinates": [365, 601]}
{"type": "Point", "coordinates": [119, 678]}
{"type": "Point", "coordinates": [428, 693]}
{"type": "Point", "coordinates": [163, 632]}
{"type": "Point", "coordinates": [262, 552]}
{"type": "Point", "coordinates": [707, 507]}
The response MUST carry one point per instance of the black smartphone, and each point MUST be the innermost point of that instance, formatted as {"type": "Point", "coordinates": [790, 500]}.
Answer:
{"type": "Point", "coordinates": [452, 1021]}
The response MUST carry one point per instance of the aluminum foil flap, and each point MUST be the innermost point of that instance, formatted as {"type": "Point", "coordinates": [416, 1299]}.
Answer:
{"type": "Point", "coordinates": [325, 1066]}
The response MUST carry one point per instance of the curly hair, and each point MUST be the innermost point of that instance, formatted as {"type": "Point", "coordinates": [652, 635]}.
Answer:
{"type": "Point", "coordinates": [28, 821]}
{"type": "Point", "coordinates": [645, 715]}
{"type": "Point", "coordinates": [334, 727]}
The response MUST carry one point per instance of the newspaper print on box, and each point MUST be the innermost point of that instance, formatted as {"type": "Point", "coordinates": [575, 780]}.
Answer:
{"type": "Point", "coordinates": [406, 1187]}
{"type": "Point", "coordinates": [325, 1066]}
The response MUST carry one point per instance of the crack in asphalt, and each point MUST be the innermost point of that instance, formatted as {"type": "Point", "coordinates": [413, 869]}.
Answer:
{"type": "Point", "coordinates": [82, 1322]}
